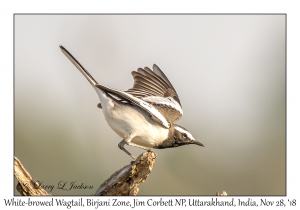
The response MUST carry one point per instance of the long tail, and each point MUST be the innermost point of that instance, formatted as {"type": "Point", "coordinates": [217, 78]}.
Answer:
{"type": "Point", "coordinates": [153, 112]}
{"type": "Point", "coordinates": [85, 73]}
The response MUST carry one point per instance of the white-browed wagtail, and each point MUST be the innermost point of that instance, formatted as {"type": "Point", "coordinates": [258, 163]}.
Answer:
{"type": "Point", "coordinates": [145, 115]}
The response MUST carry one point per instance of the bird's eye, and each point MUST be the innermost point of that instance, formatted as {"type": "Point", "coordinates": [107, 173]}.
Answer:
{"type": "Point", "coordinates": [184, 135]}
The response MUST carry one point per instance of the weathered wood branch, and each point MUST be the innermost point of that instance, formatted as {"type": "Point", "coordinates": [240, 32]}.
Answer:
{"type": "Point", "coordinates": [123, 182]}
{"type": "Point", "coordinates": [224, 193]}
{"type": "Point", "coordinates": [126, 180]}
{"type": "Point", "coordinates": [26, 186]}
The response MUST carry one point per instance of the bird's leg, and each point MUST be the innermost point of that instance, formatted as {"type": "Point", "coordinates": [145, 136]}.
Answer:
{"type": "Point", "coordinates": [127, 140]}
{"type": "Point", "coordinates": [121, 146]}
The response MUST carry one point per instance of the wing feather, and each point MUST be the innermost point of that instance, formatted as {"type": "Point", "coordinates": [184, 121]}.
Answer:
{"type": "Point", "coordinates": [124, 96]}
{"type": "Point", "coordinates": [155, 88]}
{"type": "Point", "coordinates": [152, 91]}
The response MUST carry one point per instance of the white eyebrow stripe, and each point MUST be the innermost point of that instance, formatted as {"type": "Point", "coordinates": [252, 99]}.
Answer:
{"type": "Point", "coordinates": [181, 130]}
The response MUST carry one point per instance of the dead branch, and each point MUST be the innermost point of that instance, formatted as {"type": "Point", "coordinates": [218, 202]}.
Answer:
{"type": "Point", "coordinates": [126, 180]}
{"type": "Point", "coordinates": [224, 193]}
{"type": "Point", "coordinates": [123, 182]}
{"type": "Point", "coordinates": [26, 186]}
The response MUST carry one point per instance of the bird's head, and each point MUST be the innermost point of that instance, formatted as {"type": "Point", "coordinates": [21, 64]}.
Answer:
{"type": "Point", "coordinates": [179, 137]}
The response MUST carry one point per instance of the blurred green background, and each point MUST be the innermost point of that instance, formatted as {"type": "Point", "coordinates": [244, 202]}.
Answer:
{"type": "Point", "coordinates": [229, 72]}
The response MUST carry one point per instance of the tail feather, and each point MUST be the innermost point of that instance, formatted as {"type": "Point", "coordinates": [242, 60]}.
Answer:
{"type": "Point", "coordinates": [85, 73]}
{"type": "Point", "coordinates": [153, 112]}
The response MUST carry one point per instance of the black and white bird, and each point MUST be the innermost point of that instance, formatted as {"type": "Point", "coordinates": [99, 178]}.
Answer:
{"type": "Point", "coordinates": [145, 115]}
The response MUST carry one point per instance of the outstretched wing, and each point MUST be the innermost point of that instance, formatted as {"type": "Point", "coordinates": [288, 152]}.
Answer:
{"type": "Point", "coordinates": [155, 88]}
{"type": "Point", "coordinates": [152, 111]}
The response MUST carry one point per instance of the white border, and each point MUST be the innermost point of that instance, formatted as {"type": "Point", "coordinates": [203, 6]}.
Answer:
{"type": "Point", "coordinates": [6, 79]}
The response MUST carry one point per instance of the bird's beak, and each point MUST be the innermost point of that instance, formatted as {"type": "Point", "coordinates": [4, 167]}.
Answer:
{"type": "Point", "coordinates": [198, 143]}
